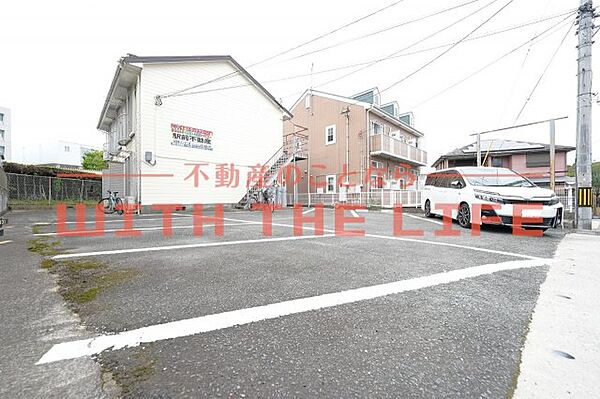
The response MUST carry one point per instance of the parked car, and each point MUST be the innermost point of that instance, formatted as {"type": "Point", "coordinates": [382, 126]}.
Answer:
{"type": "Point", "coordinates": [466, 186]}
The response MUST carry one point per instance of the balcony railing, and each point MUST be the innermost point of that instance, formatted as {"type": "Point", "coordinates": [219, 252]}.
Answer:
{"type": "Point", "coordinates": [388, 146]}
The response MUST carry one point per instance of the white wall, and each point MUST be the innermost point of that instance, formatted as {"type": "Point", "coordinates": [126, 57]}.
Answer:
{"type": "Point", "coordinates": [6, 141]}
{"type": "Point", "coordinates": [51, 152]}
{"type": "Point", "coordinates": [247, 131]}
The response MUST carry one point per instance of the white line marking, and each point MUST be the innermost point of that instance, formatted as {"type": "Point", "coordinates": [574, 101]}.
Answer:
{"type": "Point", "coordinates": [424, 219]}
{"type": "Point", "coordinates": [136, 218]}
{"type": "Point", "coordinates": [183, 328]}
{"type": "Point", "coordinates": [184, 246]}
{"type": "Point", "coordinates": [79, 232]}
{"type": "Point", "coordinates": [447, 244]}
{"type": "Point", "coordinates": [353, 212]}
{"type": "Point", "coordinates": [5, 242]}
{"type": "Point", "coordinates": [308, 211]}
{"type": "Point", "coordinates": [421, 241]}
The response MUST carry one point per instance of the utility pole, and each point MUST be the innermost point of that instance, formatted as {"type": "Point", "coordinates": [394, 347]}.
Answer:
{"type": "Point", "coordinates": [583, 161]}
{"type": "Point", "coordinates": [552, 155]}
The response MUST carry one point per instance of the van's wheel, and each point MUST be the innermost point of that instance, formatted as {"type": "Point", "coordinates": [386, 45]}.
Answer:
{"type": "Point", "coordinates": [428, 209]}
{"type": "Point", "coordinates": [464, 216]}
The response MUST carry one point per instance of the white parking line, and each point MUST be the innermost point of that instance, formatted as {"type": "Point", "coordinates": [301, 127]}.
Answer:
{"type": "Point", "coordinates": [5, 242]}
{"type": "Point", "coordinates": [184, 246]}
{"type": "Point", "coordinates": [184, 328]}
{"type": "Point", "coordinates": [354, 214]}
{"type": "Point", "coordinates": [420, 241]}
{"type": "Point", "coordinates": [136, 218]}
{"type": "Point", "coordinates": [80, 233]}
{"type": "Point", "coordinates": [308, 211]}
{"type": "Point", "coordinates": [424, 219]}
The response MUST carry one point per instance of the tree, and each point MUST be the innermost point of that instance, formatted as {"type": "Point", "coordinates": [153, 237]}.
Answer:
{"type": "Point", "coordinates": [93, 160]}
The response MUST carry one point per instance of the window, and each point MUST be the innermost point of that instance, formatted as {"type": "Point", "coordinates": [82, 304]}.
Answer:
{"type": "Point", "coordinates": [1, 150]}
{"type": "Point", "coordinates": [377, 165]}
{"type": "Point", "coordinates": [330, 135]}
{"type": "Point", "coordinates": [1, 134]}
{"type": "Point", "coordinates": [1, 117]}
{"type": "Point", "coordinates": [67, 148]}
{"type": "Point", "coordinates": [376, 128]}
{"type": "Point", "coordinates": [453, 176]}
{"type": "Point", "coordinates": [376, 181]}
{"type": "Point", "coordinates": [538, 160]}
{"type": "Point", "coordinates": [330, 179]}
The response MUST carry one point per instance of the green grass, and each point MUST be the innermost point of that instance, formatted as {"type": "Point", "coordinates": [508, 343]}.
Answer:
{"type": "Point", "coordinates": [79, 296]}
{"type": "Point", "coordinates": [47, 263]}
{"type": "Point", "coordinates": [80, 281]}
{"type": "Point", "coordinates": [42, 246]}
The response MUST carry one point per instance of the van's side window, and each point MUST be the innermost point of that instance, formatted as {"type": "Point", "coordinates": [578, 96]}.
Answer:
{"type": "Point", "coordinates": [453, 176]}
{"type": "Point", "coordinates": [430, 180]}
{"type": "Point", "coordinates": [442, 180]}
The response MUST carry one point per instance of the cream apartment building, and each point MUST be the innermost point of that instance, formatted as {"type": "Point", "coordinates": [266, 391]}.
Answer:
{"type": "Point", "coordinates": [175, 125]}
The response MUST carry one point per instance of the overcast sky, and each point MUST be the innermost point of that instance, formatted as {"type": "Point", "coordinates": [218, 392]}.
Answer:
{"type": "Point", "coordinates": [58, 59]}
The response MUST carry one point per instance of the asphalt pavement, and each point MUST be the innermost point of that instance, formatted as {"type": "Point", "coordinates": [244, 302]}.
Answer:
{"type": "Point", "coordinates": [374, 315]}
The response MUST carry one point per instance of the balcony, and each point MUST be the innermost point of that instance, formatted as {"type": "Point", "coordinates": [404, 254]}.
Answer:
{"type": "Point", "coordinates": [389, 147]}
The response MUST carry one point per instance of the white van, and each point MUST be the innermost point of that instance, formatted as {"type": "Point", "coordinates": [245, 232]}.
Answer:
{"type": "Point", "coordinates": [465, 186]}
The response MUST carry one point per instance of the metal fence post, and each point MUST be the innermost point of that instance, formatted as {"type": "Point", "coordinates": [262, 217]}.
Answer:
{"type": "Point", "coordinates": [49, 190]}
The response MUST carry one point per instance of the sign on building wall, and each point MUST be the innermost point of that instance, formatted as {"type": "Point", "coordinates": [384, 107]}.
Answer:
{"type": "Point", "coordinates": [191, 137]}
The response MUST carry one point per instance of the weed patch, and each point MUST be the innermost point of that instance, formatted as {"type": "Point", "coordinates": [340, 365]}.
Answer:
{"type": "Point", "coordinates": [44, 247]}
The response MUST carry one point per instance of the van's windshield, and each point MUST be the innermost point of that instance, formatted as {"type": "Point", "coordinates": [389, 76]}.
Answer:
{"type": "Point", "coordinates": [496, 178]}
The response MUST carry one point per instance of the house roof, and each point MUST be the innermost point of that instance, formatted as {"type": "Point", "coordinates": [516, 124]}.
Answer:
{"type": "Point", "coordinates": [500, 147]}
{"type": "Point", "coordinates": [126, 70]}
{"type": "Point", "coordinates": [366, 105]}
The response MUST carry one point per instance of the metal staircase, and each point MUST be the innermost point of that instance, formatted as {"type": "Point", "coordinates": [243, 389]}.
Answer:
{"type": "Point", "coordinates": [294, 148]}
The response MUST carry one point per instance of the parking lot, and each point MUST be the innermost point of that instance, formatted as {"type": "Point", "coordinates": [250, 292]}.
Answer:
{"type": "Point", "coordinates": [248, 315]}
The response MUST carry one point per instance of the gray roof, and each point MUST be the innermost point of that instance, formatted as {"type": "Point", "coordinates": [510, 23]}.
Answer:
{"type": "Point", "coordinates": [130, 59]}
{"type": "Point", "coordinates": [500, 147]}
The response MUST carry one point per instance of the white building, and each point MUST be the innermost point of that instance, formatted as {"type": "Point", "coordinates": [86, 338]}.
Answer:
{"type": "Point", "coordinates": [60, 154]}
{"type": "Point", "coordinates": [5, 143]}
{"type": "Point", "coordinates": [165, 116]}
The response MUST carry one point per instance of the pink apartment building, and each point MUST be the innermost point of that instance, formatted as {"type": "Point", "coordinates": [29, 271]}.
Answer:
{"type": "Point", "coordinates": [381, 148]}
{"type": "Point", "coordinates": [529, 159]}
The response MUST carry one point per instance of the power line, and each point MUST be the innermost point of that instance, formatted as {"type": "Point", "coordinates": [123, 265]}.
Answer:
{"type": "Point", "coordinates": [347, 66]}
{"type": "Point", "coordinates": [231, 74]}
{"type": "Point", "coordinates": [519, 126]}
{"type": "Point", "coordinates": [328, 33]}
{"type": "Point", "coordinates": [531, 41]}
{"type": "Point", "coordinates": [340, 43]}
{"type": "Point", "coordinates": [448, 50]}
{"type": "Point", "coordinates": [543, 74]}
{"type": "Point", "coordinates": [516, 81]}
{"type": "Point", "coordinates": [411, 45]}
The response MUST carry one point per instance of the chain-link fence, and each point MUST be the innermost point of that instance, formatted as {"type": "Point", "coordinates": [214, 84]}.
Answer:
{"type": "Point", "coordinates": [45, 188]}
{"type": "Point", "coordinates": [3, 191]}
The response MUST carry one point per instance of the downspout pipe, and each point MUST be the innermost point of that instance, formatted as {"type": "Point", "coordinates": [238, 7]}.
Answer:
{"type": "Point", "coordinates": [346, 113]}
{"type": "Point", "coordinates": [368, 153]}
